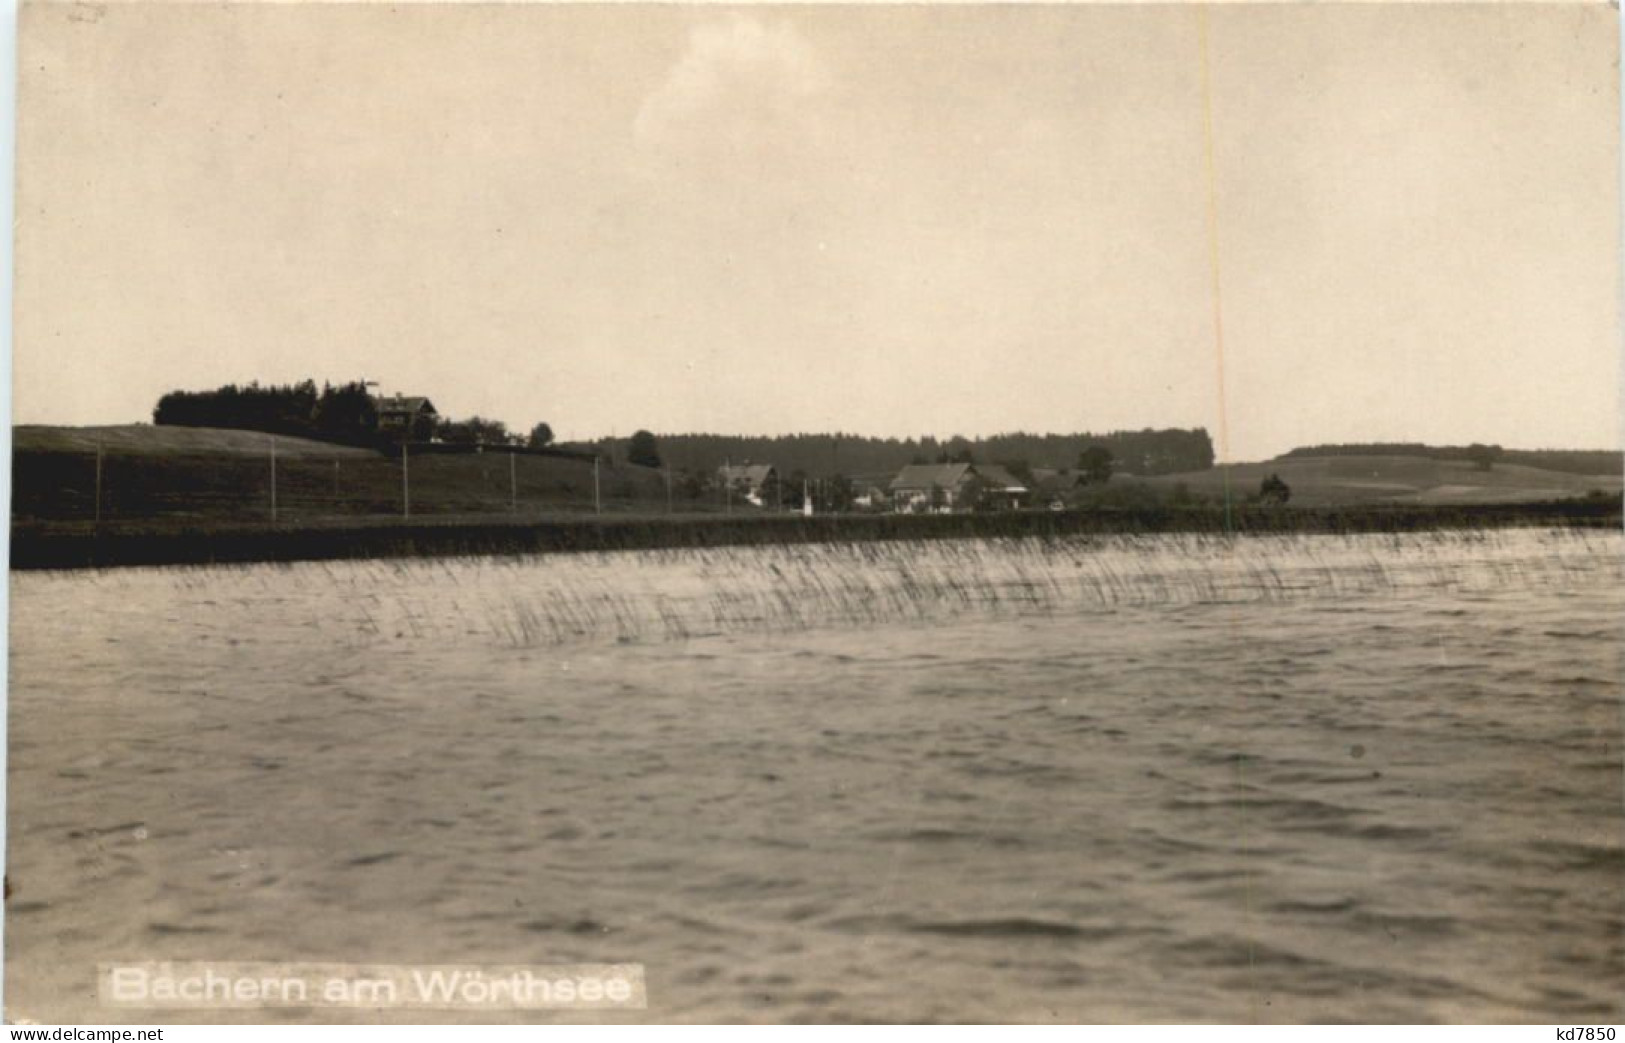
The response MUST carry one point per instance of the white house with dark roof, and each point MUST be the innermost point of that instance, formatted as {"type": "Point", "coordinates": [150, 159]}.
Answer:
{"type": "Point", "coordinates": [1000, 487]}
{"type": "Point", "coordinates": [747, 480]}
{"type": "Point", "coordinates": [943, 487]}
{"type": "Point", "coordinates": [926, 487]}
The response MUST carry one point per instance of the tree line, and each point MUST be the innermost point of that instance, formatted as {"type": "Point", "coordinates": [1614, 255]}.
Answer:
{"type": "Point", "coordinates": [1147, 452]}
{"type": "Point", "coordinates": [343, 413]}
{"type": "Point", "coordinates": [1570, 461]}
{"type": "Point", "coordinates": [347, 413]}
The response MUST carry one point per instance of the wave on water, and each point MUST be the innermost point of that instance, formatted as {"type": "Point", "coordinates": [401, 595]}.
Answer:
{"type": "Point", "coordinates": [638, 596]}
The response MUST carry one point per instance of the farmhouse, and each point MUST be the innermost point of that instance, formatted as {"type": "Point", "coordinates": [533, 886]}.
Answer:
{"type": "Point", "coordinates": [922, 487]}
{"type": "Point", "coordinates": [949, 487]}
{"type": "Point", "coordinates": [1000, 488]}
{"type": "Point", "coordinates": [748, 480]}
{"type": "Point", "coordinates": [869, 494]}
{"type": "Point", "coordinates": [406, 417]}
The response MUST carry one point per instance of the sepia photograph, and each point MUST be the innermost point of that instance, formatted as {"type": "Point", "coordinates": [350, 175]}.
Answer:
{"type": "Point", "coordinates": [685, 513]}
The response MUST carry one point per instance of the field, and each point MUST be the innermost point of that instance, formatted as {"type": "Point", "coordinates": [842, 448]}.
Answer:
{"type": "Point", "coordinates": [1338, 480]}
{"type": "Point", "coordinates": [175, 473]}
{"type": "Point", "coordinates": [169, 495]}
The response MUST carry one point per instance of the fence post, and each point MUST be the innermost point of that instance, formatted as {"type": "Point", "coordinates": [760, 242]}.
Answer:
{"type": "Point", "coordinates": [597, 500]}
{"type": "Point", "coordinates": [98, 482]}
{"type": "Point", "coordinates": [273, 479]}
{"type": "Point", "coordinates": [406, 484]}
{"type": "Point", "coordinates": [513, 481]}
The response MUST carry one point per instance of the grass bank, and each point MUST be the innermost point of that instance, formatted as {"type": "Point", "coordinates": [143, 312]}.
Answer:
{"type": "Point", "coordinates": [67, 545]}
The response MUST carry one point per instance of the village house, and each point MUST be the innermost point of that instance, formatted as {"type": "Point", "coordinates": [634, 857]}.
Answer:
{"type": "Point", "coordinates": [409, 418]}
{"type": "Point", "coordinates": [748, 481]}
{"type": "Point", "coordinates": [1000, 488]}
{"type": "Point", "coordinates": [949, 487]}
{"type": "Point", "coordinates": [929, 487]}
{"type": "Point", "coordinates": [869, 494]}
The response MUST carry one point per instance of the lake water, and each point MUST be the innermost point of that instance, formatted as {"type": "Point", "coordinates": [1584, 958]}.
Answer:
{"type": "Point", "coordinates": [1162, 778]}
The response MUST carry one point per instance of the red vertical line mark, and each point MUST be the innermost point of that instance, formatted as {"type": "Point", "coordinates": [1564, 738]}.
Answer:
{"type": "Point", "coordinates": [1213, 254]}
{"type": "Point", "coordinates": [1224, 412]}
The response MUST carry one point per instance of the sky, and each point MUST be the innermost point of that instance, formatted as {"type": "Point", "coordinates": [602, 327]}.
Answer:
{"type": "Point", "coordinates": [1292, 225]}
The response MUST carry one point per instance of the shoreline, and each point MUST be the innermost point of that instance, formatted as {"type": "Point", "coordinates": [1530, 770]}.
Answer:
{"type": "Point", "coordinates": [158, 542]}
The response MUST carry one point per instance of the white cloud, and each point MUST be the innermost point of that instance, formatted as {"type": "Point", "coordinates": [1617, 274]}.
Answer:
{"type": "Point", "coordinates": [735, 74]}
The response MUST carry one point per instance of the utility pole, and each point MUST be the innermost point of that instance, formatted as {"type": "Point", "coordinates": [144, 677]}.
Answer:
{"type": "Point", "coordinates": [98, 483]}
{"type": "Point", "coordinates": [513, 481]}
{"type": "Point", "coordinates": [406, 484]}
{"type": "Point", "coordinates": [273, 479]}
{"type": "Point", "coordinates": [668, 489]}
{"type": "Point", "coordinates": [597, 501]}
{"type": "Point", "coordinates": [728, 483]}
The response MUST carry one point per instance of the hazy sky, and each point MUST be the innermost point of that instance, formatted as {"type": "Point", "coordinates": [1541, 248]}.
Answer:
{"type": "Point", "coordinates": [895, 221]}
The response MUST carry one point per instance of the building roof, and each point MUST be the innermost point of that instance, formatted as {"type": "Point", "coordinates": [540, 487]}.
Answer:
{"type": "Point", "coordinates": [999, 478]}
{"type": "Point", "coordinates": [405, 404]}
{"type": "Point", "coordinates": [924, 476]}
{"type": "Point", "coordinates": [1057, 481]}
{"type": "Point", "coordinates": [752, 475]}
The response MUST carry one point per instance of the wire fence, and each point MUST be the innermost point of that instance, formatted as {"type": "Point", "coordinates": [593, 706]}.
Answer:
{"type": "Point", "coordinates": [294, 485]}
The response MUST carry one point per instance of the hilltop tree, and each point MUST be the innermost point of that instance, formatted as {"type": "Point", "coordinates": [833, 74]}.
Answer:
{"type": "Point", "coordinates": [1096, 463]}
{"type": "Point", "coordinates": [1483, 456]}
{"type": "Point", "coordinates": [642, 449]}
{"type": "Point", "coordinates": [280, 409]}
{"type": "Point", "coordinates": [473, 431]}
{"type": "Point", "coordinates": [540, 435]}
{"type": "Point", "coordinates": [347, 412]}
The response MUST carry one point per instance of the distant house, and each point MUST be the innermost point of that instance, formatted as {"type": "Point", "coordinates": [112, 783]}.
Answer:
{"type": "Point", "coordinates": [748, 480]}
{"type": "Point", "coordinates": [869, 494]}
{"type": "Point", "coordinates": [930, 487]}
{"type": "Point", "coordinates": [1000, 488]}
{"type": "Point", "coordinates": [406, 417]}
{"type": "Point", "coordinates": [945, 487]}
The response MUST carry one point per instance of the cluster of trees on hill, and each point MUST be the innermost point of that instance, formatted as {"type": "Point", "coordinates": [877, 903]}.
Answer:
{"type": "Point", "coordinates": [477, 430]}
{"type": "Point", "coordinates": [1570, 461]}
{"type": "Point", "coordinates": [344, 413]}
{"type": "Point", "coordinates": [1147, 452]}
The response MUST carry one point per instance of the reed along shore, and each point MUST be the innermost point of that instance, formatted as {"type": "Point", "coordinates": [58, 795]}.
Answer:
{"type": "Point", "coordinates": [161, 542]}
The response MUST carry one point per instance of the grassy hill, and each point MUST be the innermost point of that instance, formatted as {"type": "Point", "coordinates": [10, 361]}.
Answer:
{"type": "Point", "coordinates": [208, 473]}
{"type": "Point", "coordinates": [148, 439]}
{"type": "Point", "coordinates": [1334, 480]}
